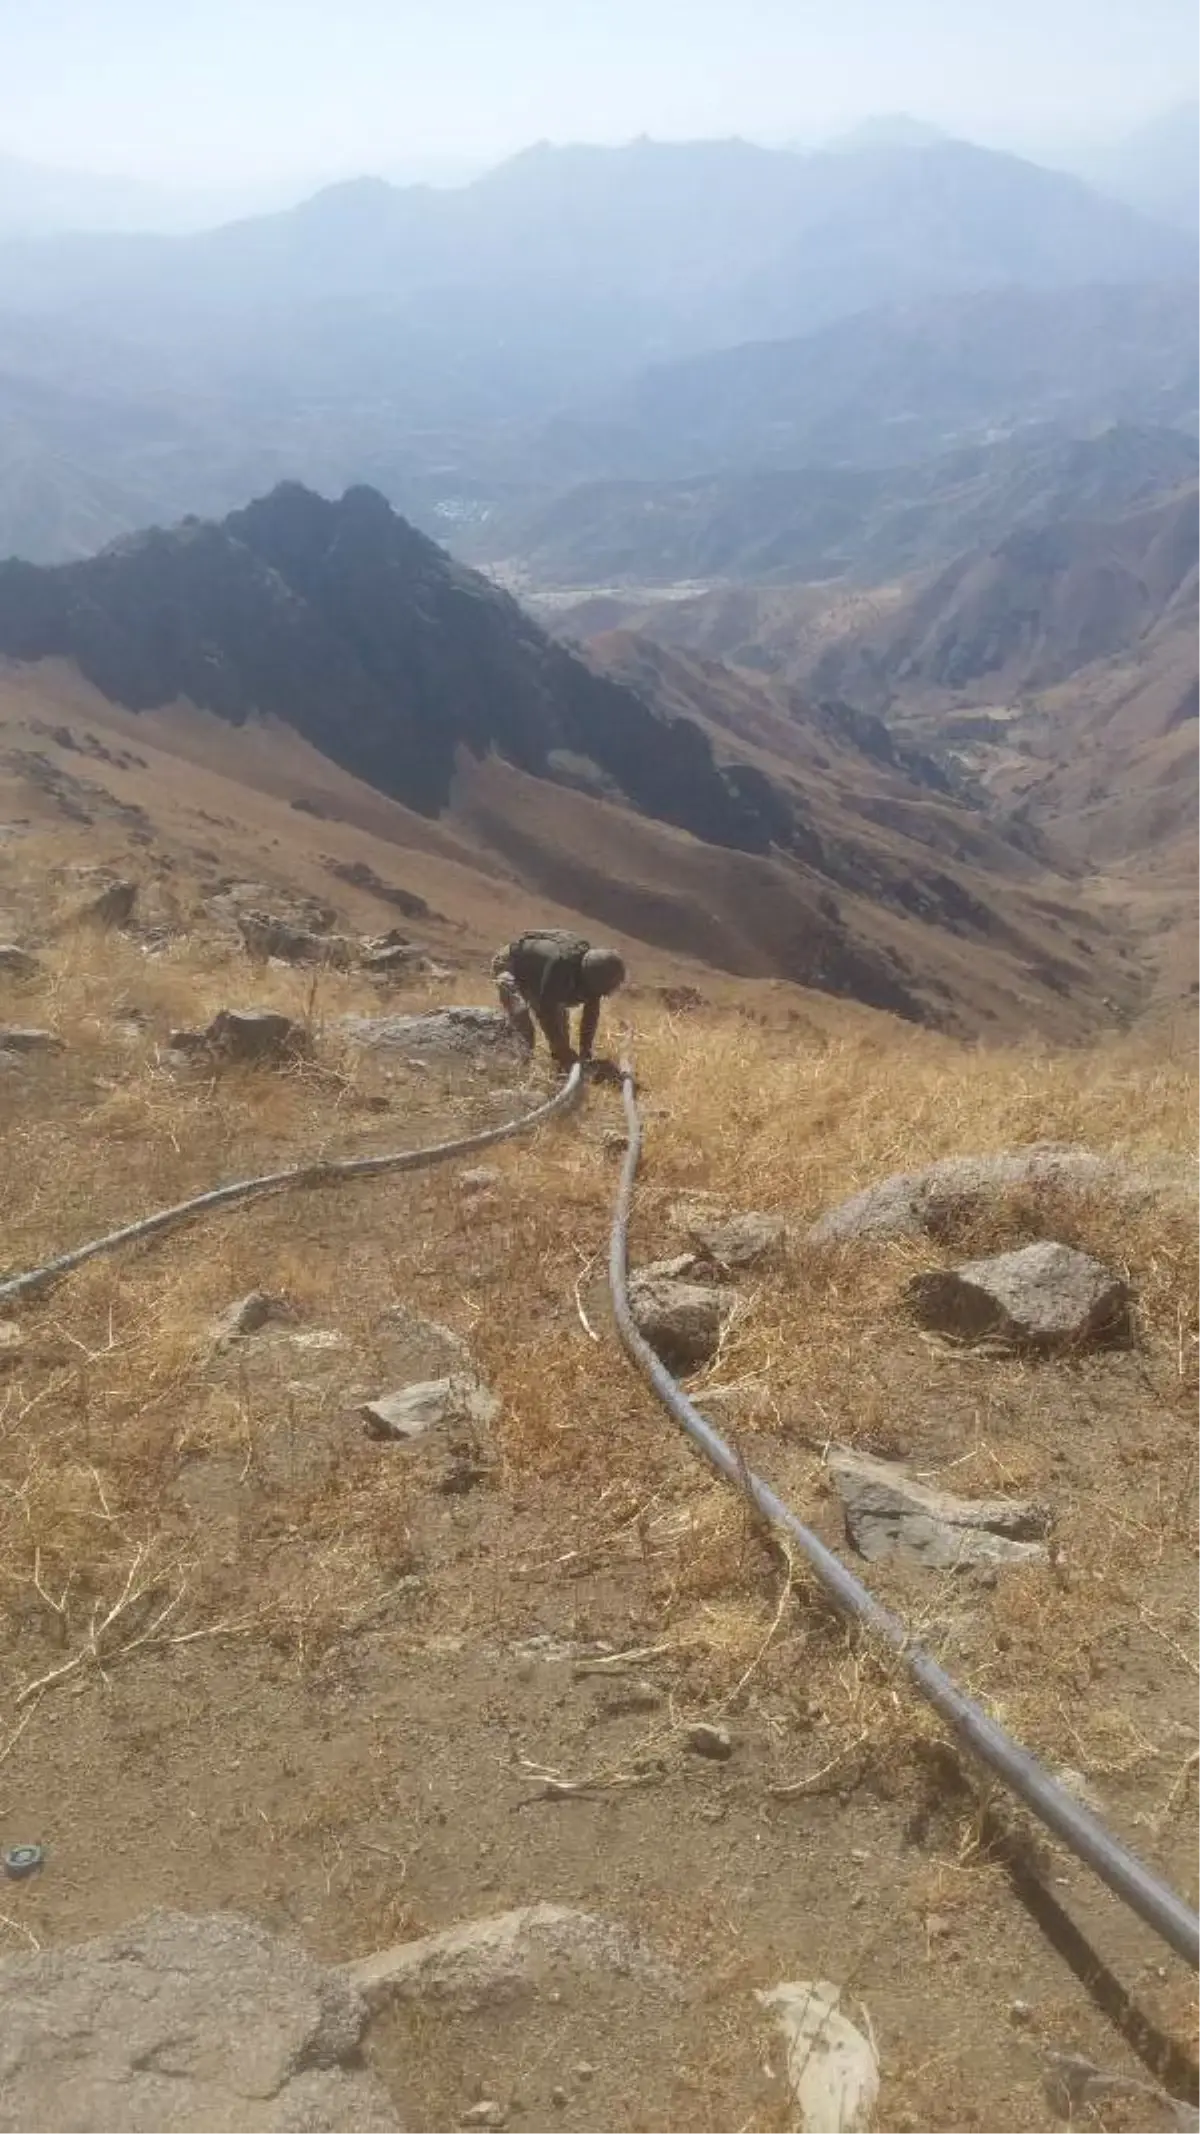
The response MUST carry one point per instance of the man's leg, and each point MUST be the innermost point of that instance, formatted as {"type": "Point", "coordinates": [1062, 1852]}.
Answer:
{"type": "Point", "coordinates": [514, 1005]}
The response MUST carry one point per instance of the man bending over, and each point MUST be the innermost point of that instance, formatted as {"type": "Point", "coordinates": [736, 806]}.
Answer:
{"type": "Point", "coordinates": [544, 976]}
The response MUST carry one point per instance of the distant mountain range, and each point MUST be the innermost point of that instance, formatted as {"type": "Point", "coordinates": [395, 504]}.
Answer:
{"type": "Point", "coordinates": [647, 311]}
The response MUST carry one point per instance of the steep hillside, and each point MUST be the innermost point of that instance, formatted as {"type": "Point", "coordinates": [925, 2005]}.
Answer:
{"type": "Point", "coordinates": [823, 521]}
{"type": "Point", "coordinates": [1044, 603]}
{"type": "Point", "coordinates": [676, 803]}
{"type": "Point", "coordinates": [897, 382]}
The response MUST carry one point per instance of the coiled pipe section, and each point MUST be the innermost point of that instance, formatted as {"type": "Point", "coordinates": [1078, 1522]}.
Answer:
{"type": "Point", "coordinates": [1142, 1890]}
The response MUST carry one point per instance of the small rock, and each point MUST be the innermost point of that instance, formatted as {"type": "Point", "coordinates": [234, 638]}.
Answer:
{"type": "Point", "coordinates": [624, 1697]}
{"type": "Point", "coordinates": [489, 2112]}
{"type": "Point", "coordinates": [1044, 1296]}
{"type": "Point", "coordinates": [415, 1410]}
{"type": "Point", "coordinates": [682, 1321]}
{"type": "Point", "coordinates": [890, 1514]}
{"type": "Point", "coordinates": [479, 1180]}
{"type": "Point", "coordinates": [584, 2070]}
{"type": "Point", "coordinates": [114, 906]}
{"type": "Point", "coordinates": [1020, 2012]}
{"type": "Point", "coordinates": [713, 1741]}
{"type": "Point", "coordinates": [1081, 1789]}
{"type": "Point", "coordinates": [559, 2097]}
{"type": "Point", "coordinates": [741, 1241]}
{"type": "Point", "coordinates": [255, 1034]}
{"type": "Point", "coordinates": [16, 1040]}
{"type": "Point", "coordinates": [12, 1341]}
{"type": "Point", "coordinates": [833, 2071]}
{"type": "Point", "coordinates": [17, 962]}
{"type": "Point", "coordinates": [250, 1314]}
{"type": "Point", "coordinates": [507, 1959]}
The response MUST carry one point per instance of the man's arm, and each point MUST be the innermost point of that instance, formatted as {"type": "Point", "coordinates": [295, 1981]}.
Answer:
{"type": "Point", "coordinates": [588, 1023]}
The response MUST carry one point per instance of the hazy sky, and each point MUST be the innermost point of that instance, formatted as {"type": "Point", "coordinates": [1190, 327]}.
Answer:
{"type": "Point", "coordinates": [244, 89]}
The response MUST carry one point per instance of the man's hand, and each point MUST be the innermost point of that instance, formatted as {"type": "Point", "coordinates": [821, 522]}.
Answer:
{"type": "Point", "coordinates": [603, 1071]}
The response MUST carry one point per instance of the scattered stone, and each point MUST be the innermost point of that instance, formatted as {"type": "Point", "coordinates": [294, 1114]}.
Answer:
{"type": "Point", "coordinates": [890, 1514]}
{"type": "Point", "coordinates": [1073, 2085]}
{"type": "Point", "coordinates": [17, 1040]}
{"type": "Point", "coordinates": [682, 1321]}
{"type": "Point", "coordinates": [415, 1410]}
{"type": "Point", "coordinates": [12, 1341]}
{"type": "Point", "coordinates": [448, 1032]}
{"type": "Point", "coordinates": [614, 1141]}
{"type": "Point", "coordinates": [833, 2071]}
{"type": "Point", "coordinates": [177, 2022]}
{"type": "Point", "coordinates": [17, 962]}
{"type": "Point", "coordinates": [584, 2070]}
{"type": "Point", "coordinates": [749, 1240]}
{"type": "Point", "coordinates": [1020, 2013]}
{"type": "Point", "coordinates": [250, 1314]}
{"type": "Point", "coordinates": [1081, 1789]}
{"type": "Point", "coordinates": [255, 1035]}
{"type": "Point", "coordinates": [489, 2112]}
{"type": "Point", "coordinates": [624, 1697]}
{"type": "Point", "coordinates": [715, 1742]}
{"type": "Point", "coordinates": [114, 906]}
{"type": "Point", "coordinates": [266, 935]}
{"type": "Point", "coordinates": [507, 1958]}
{"type": "Point", "coordinates": [363, 876]}
{"type": "Point", "coordinates": [936, 1202]}
{"type": "Point", "coordinates": [479, 1180]}
{"type": "Point", "coordinates": [676, 1269]}
{"type": "Point", "coordinates": [1045, 1296]}
{"type": "Point", "coordinates": [559, 2097]}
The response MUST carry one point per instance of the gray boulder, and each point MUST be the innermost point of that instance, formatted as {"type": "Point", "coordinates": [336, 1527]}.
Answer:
{"type": "Point", "coordinates": [415, 1410]}
{"type": "Point", "coordinates": [114, 906]}
{"type": "Point", "coordinates": [264, 934]}
{"type": "Point", "coordinates": [250, 1314]}
{"type": "Point", "coordinates": [889, 1514]}
{"type": "Point", "coordinates": [18, 1040]}
{"type": "Point", "coordinates": [932, 1202]}
{"type": "Point", "coordinates": [182, 2023]}
{"type": "Point", "coordinates": [255, 1036]}
{"type": "Point", "coordinates": [506, 1959]}
{"type": "Point", "coordinates": [17, 962]}
{"type": "Point", "coordinates": [681, 1320]}
{"type": "Point", "coordinates": [1045, 1296]}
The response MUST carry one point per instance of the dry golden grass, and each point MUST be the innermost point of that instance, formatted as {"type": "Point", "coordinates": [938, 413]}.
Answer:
{"type": "Point", "coordinates": [124, 1442]}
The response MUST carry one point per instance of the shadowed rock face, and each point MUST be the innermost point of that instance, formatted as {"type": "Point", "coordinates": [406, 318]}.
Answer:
{"type": "Point", "coordinates": [342, 620]}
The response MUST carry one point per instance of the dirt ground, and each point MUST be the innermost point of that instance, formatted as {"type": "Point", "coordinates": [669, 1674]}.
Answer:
{"type": "Point", "coordinates": [252, 1659]}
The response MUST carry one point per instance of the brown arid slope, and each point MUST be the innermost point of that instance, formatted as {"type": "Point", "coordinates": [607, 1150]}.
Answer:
{"type": "Point", "coordinates": [896, 896]}
{"type": "Point", "coordinates": [253, 1660]}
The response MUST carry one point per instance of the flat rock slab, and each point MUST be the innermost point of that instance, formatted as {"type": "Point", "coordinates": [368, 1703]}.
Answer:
{"type": "Point", "coordinates": [889, 1514]}
{"type": "Point", "coordinates": [508, 1957]}
{"type": "Point", "coordinates": [450, 1032]}
{"type": "Point", "coordinates": [415, 1410]}
{"type": "Point", "coordinates": [175, 2022]}
{"type": "Point", "coordinates": [931, 1202]}
{"type": "Point", "coordinates": [1045, 1296]}
{"type": "Point", "coordinates": [681, 1320]}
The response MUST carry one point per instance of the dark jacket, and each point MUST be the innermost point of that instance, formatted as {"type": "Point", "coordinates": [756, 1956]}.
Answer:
{"type": "Point", "coordinates": [548, 968]}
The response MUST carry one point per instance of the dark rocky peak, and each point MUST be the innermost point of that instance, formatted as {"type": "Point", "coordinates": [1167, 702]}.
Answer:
{"type": "Point", "coordinates": [341, 620]}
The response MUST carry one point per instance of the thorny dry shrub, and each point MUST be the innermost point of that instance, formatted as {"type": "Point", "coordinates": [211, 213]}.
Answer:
{"type": "Point", "coordinates": [114, 1405]}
